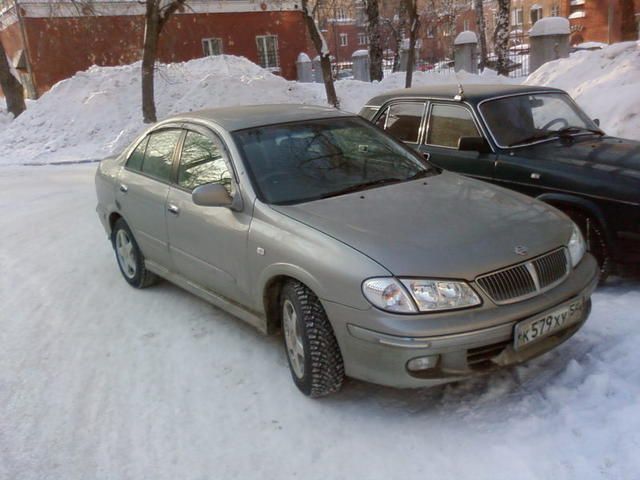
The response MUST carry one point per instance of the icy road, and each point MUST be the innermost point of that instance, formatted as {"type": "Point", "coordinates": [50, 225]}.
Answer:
{"type": "Point", "coordinates": [101, 381]}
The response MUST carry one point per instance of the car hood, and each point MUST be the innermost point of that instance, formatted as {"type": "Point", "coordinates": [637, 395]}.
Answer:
{"type": "Point", "coordinates": [445, 226]}
{"type": "Point", "coordinates": [616, 155]}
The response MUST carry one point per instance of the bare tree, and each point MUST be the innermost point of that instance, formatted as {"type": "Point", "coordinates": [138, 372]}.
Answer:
{"type": "Point", "coordinates": [375, 41]}
{"type": "Point", "coordinates": [322, 48]}
{"type": "Point", "coordinates": [157, 14]}
{"type": "Point", "coordinates": [482, 36]}
{"type": "Point", "coordinates": [414, 25]}
{"type": "Point", "coordinates": [501, 37]}
{"type": "Point", "coordinates": [394, 20]}
{"type": "Point", "coordinates": [11, 87]}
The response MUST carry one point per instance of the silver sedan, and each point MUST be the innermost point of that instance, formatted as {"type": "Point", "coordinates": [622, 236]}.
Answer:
{"type": "Point", "coordinates": [372, 262]}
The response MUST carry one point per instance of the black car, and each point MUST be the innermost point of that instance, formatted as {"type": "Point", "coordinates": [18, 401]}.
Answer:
{"type": "Point", "coordinates": [535, 140]}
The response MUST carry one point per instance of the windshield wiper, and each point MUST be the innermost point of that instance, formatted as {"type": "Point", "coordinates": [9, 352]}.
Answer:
{"type": "Point", "coordinates": [563, 132]}
{"type": "Point", "coordinates": [570, 130]}
{"type": "Point", "coordinates": [363, 186]}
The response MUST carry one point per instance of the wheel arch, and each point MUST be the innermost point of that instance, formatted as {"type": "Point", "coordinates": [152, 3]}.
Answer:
{"type": "Point", "coordinates": [563, 202]}
{"type": "Point", "coordinates": [270, 287]}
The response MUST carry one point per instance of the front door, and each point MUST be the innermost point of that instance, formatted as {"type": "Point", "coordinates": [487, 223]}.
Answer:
{"type": "Point", "coordinates": [208, 244]}
{"type": "Point", "coordinates": [446, 123]}
{"type": "Point", "coordinates": [143, 186]}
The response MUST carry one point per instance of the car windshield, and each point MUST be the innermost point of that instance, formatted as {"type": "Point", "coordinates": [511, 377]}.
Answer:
{"type": "Point", "coordinates": [294, 163]}
{"type": "Point", "coordinates": [522, 119]}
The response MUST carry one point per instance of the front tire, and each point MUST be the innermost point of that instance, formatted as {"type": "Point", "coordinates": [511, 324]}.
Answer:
{"type": "Point", "coordinates": [129, 257]}
{"type": "Point", "coordinates": [312, 350]}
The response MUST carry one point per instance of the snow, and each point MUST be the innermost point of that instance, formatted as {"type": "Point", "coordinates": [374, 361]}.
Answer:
{"type": "Point", "coordinates": [465, 37]}
{"type": "Point", "coordinates": [577, 14]}
{"type": "Point", "coordinates": [550, 26]}
{"type": "Point", "coordinates": [102, 381]}
{"type": "Point", "coordinates": [360, 53]}
{"type": "Point", "coordinates": [605, 83]}
{"type": "Point", "coordinates": [303, 58]}
{"type": "Point", "coordinates": [97, 112]}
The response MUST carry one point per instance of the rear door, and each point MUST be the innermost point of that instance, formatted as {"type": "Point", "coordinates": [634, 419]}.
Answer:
{"type": "Point", "coordinates": [446, 123]}
{"type": "Point", "coordinates": [143, 186]}
{"type": "Point", "coordinates": [208, 244]}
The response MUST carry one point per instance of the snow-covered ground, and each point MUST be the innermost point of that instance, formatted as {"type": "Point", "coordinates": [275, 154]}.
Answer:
{"type": "Point", "coordinates": [102, 381]}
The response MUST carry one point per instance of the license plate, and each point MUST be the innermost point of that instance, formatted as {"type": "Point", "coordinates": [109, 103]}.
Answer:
{"type": "Point", "coordinates": [537, 328]}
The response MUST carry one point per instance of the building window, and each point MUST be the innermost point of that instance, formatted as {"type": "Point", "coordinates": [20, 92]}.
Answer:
{"type": "Point", "coordinates": [341, 14]}
{"type": "Point", "coordinates": [536, 13]}
{"type": "Point", "coordinates": [212, 46]}
{"type": "Point", "coordinates": [344, 40]}
{"type": "Point", "coordinates": [363, 39]}
{"type": "Point", "coordinates": [465, 24]}
{"type": "Point", "coordinates": [268, 51]}
{"type": "Point", "coordinates": [517, 16]}
{"type": "Point", "coordinates": [555, 10]}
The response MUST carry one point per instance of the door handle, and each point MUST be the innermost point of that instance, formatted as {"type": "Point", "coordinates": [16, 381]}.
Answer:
{"type": "Point", "coordinates": [535, 176]}
{"type": "Point", "coordinates": [124, 188]}
{"type": "Point", "coordinates": [426, 155]}
{"type": "Point", "coordinates": [173, 209]}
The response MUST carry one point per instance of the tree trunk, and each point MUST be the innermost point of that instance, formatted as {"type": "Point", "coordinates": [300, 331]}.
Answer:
{"type": "Point", "coordinates": [414, 25]}
{"type": "Point", "coordinates": [149, 56]}
{"type": "Point", "coordinates": [375, 43]}
{"type": "Point", "coordinates": [482, 35]}
{"type": "Point", "coordinates": [323, 51]}
{"type": "Point", "coordinates": [501, 37]}
{"type": "Point", "coordinates": [11, 87]}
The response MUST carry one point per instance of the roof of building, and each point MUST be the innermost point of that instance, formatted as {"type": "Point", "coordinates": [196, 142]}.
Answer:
{"type": "Point", "coordinates": [249, 116]}
{"type": "Point", "coordinates": [473, 92]}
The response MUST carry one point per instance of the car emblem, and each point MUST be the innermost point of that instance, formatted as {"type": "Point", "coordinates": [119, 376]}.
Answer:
{"type": "Point", "coordinates": [521, 250]}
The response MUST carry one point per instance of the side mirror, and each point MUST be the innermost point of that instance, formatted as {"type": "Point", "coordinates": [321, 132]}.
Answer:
{"type": "Point", "coordinates": [596, 121]}
{"type": "Point", "coordinates": [212, 195]}
{"type": "Point", "coordinates": [473, 144]}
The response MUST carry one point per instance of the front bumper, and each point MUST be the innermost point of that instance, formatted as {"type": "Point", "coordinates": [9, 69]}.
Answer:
{"type": "Point", "coordinates": [376, 346]}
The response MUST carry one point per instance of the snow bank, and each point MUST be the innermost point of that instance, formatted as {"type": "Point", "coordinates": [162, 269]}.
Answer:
{"type": "Point", "coordinates": [605, 83]}
{"type": "Point", "coordinates": [97, 112]}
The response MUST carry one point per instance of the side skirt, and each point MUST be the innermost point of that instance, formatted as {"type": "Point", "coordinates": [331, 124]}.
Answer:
{"type": "Point", "coordinates": [233, 308]}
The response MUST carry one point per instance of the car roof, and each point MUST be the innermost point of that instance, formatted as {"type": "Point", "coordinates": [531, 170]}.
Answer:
{"type": "Point", "coordinates": [249, 116]}
{"type": "Point", "coordinates": [473, 93]}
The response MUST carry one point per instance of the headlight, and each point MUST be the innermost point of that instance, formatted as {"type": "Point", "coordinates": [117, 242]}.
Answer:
{"type": "Point", "coordinates": [576, 246]}
{"type": "Point", "coordinates": [386, 293]}
{"type": "Point", "coordinates": [431, 295]}
{"type": "Point", "coordinates": [428, 295]}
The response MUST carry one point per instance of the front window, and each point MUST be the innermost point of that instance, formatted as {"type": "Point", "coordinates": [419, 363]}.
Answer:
{"type": "Point", "coordinates": [304, 161]}
{"type": "Point", "coordinates": [523, 119]}
{"type": "Point", "coordinates": [448, 123]}
{"type": "Point", "coordinates": [201, 162]}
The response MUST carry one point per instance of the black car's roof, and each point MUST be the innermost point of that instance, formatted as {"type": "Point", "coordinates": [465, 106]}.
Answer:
{"type": "Point", "coordinates": [249, 116]}
{"type": "Point", "coordinates": [473, 93]}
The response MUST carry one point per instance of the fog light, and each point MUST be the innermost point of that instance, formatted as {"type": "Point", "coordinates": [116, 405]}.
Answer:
{"type": "Point", "coordinates": [422, 363]}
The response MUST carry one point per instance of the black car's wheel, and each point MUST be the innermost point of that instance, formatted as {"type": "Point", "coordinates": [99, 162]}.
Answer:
{"type": "Point", "coordinates": [596, 240]}
{"type": "Point", "coordinates": [311, 346]}
{"type": "Point", "coordinates": [129, 257]}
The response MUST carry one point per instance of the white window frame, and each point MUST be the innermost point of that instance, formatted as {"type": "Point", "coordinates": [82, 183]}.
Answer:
{"type": "Point", "coordinates": [555, 10]}
{"type": "Point", "coordinates": [539, 14]}
{"type": "Point", "coordinates": [263, 55]}
{"type": "Point", "coordinates": [518, 16]}
{"type": "Point", "coordinates": [344, 40]}
{"type": "Point", "coordinates": [363, 39]}
{"type": "Point", "coordinates": [207, 46]}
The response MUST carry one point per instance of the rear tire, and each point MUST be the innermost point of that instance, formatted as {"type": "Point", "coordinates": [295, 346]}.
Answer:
{"type": "Point", "coordinates": [596, 239]}
{"type": "Point", "coordinates": [312, 350]}
{"type": "Point", "coordinates": [129, 257]}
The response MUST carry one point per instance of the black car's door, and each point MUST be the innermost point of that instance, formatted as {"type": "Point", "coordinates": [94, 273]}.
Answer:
{"type": "Point", "coordinates": [446, 123]}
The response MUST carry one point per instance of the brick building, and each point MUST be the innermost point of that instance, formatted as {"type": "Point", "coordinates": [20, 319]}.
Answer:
{"type": "Point", "coordinates": [48, 41]}
{"type": "Point", "coordinates": [343, 25]}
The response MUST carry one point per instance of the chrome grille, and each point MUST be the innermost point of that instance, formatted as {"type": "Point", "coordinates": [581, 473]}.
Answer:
{"type": "Point", "coordinates": [526, 279]}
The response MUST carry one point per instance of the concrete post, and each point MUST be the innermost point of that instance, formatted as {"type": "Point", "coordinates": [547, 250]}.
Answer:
{"type": "Point", "coordinates": [465, 52]}
{"type": "Point", "coordinates": [360, 59]}
{"type": "Point", "coordinates": [304, 68]}
{"type": "Point", "coordinates": [317, 70]}
{"type": "Point", "coordinates": [548, 40]}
